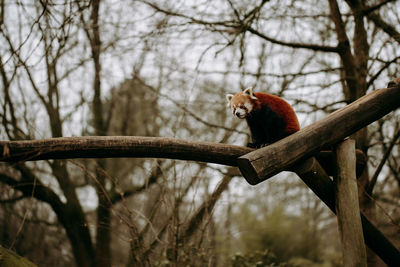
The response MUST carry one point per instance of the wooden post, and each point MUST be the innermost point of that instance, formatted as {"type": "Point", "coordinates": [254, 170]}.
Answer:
{"type": "Point", "coordinates": [347, 207]}
{"type": "Point", "coordinates": [315, 177]}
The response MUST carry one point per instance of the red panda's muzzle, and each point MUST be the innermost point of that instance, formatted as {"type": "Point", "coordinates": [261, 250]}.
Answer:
{"type": "Point", "coordinates": [240, 113]}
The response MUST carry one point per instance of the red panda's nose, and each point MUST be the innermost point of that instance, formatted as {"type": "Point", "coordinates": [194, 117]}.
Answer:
{"type": "Point", "coordinates": [237, 114]}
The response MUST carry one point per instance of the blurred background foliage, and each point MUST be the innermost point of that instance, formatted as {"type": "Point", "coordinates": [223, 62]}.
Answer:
{"type": "Point", "coordinates": [162, 68]}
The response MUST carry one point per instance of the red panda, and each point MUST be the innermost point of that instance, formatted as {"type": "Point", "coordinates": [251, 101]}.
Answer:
{"type": "Point", "coordinates": [269, 117]}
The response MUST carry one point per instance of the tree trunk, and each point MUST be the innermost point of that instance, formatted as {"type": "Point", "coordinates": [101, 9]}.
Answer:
{"type": "Point", "coordinates": [103, 234]}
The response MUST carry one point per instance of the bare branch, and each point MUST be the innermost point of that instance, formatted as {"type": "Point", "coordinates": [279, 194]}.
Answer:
{"type": "Point", "coordinates": [368, 10]}
{"type": "Point", "coordinates": [241, 26]}
{"type": "Point", "coordinates": [204, 209]}
{"type": "Point", "coordinates": [33, 188]}
{"type": "Point", "coordinates": [314, 47]}
{"type": "Point", "coordinates": [387, 28]}
{"type": "Point", "coordinates": [374, 178]}
{"type": "Point", "coordinates": [192, 114]}
{"type": "Point", "coordinates": [384, 67]}
{"type": "Point", "coordinates": [344, 47]}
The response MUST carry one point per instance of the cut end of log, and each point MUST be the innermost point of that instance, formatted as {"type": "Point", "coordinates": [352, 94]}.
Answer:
{"type": "Point", "coordinates": [248, 171]}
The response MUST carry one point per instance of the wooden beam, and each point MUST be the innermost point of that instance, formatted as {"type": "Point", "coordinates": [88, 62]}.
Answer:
{"type": "Point", "coordinates": [347, 206]}
{"type": "Point", "coordinates": [120, 146]}
{"type": "Point", "coordinates": [132, 146]}
{"type": "Point", "coordinates": [315, 177]}
{"type": "Point", "coordinates": [265, 162]}
{"type": "Point", "coordinates": [137, 146]}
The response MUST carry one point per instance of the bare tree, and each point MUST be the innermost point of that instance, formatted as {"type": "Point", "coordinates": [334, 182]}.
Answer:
{"type": "Point", "coordinates": [352, 45]}
{"type": "Point", "coordinates": [160, 68]}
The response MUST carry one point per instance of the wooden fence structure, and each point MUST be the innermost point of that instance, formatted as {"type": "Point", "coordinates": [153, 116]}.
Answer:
{"type": "Point", "coordinates": [300, 153]}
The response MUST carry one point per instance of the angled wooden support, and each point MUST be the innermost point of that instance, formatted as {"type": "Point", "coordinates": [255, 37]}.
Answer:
{"type": "Point", "coordinates": [315, 177]}
{"type": "Point", "coordinates": [263, 163]}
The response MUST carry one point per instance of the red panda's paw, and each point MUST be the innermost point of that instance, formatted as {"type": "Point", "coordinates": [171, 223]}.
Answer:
{"type": "Point", "coordinates": [264, 145]}
{"type": "Point", "coordinates": [394, 82]}
{"type": "Point", "coordinates": [252, 145]}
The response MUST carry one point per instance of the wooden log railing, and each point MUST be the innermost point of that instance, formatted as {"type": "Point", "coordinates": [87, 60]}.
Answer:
{"type": "Point", "coordinates": [139, 147]}
{"type": "Point", "coordinates": [120, 147]}
{"type": "Point", "coordinates": [310, 171]}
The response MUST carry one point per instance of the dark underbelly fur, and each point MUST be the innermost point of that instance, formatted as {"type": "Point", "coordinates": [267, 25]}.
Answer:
{"type": "Point", "coordinates": [266, 127]}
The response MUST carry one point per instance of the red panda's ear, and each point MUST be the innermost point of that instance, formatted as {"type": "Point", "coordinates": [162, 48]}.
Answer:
{"type": "Point", "coordinates": [229, 98]}
{"type": "Point", "coordinates": [249, 92]}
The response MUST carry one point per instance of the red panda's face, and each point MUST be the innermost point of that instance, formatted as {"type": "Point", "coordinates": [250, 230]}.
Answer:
{"type": "Point", "coordinates": [241, 104]}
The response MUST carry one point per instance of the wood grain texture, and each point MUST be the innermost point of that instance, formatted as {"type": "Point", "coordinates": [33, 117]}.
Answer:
{"type": "Point", "coordinates": [263, 163]}
{"type": "Point", "coordinates": [120, 146]}
{"type": "Point", "coordinates": [347, 206]}
{"type": "Point", "coordinates": [315, 177]}
{"type": "Point", "coordinates": [137, 147]}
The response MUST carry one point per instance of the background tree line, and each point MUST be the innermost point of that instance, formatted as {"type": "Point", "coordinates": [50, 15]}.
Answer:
{"type": "Point", "coordinates": [162, 68]}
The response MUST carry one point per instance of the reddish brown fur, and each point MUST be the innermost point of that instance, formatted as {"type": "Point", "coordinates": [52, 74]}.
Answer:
{"type": "Point", "coordinates": [277, 104]}
{"type": "Point", "coordinates": [281, 107]}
